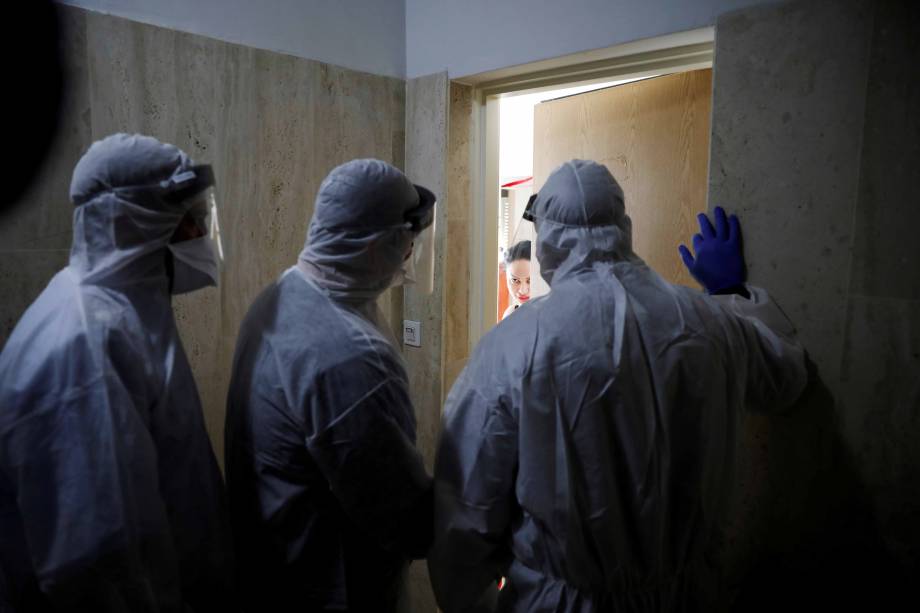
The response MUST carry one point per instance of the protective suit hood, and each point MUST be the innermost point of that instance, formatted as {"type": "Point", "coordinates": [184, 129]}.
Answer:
{"type": "Point", "coordinates": [124, 218]}
{"type": "Point", "coordinates": [358, 237]}
{"type": "Point", "coordinates": [581, 220]}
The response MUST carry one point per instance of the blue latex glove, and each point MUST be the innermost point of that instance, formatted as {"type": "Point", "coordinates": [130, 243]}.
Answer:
{"type": "Point", "coordinates": [719, 263]}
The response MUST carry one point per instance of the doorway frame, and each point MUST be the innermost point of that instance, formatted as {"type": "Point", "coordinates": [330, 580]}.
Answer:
{"type": "Point", "coordinates": [672, 53]}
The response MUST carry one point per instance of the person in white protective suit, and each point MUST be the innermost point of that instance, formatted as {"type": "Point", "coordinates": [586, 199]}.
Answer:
{"type": "Point", "coordinates": [110, 495]}
{"type": "Point", "coordinates": [587, 446]}
{"type": "Point", "coordinates": [329, 497]}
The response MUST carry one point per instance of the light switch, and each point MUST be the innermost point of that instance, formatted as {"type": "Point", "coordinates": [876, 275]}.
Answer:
{"type": "Point", "coordinates": [412, 333]}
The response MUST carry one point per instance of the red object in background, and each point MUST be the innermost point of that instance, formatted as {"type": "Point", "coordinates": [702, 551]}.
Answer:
{"type": "Point", "coordinates": [518, 182]}
{"type": "Point", "coordinates": [504, 297]}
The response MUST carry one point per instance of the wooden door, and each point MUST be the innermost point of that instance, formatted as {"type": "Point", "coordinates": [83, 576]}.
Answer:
{"type": "Point", "coordinates": [653, 135]}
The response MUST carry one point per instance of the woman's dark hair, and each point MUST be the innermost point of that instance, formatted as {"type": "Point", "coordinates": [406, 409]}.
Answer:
{"type": "Point", "coordinates": [520, 251]}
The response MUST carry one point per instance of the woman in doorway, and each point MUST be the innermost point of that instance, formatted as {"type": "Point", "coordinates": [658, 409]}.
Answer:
{"type": "Point", "coordinates": [517, 274]}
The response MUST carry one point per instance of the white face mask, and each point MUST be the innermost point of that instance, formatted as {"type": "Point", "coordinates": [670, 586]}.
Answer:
{"type": "Point", "coordinates": [406, 274]}
{"type": "Point", "coordinates": [407, 271]}
{"type": "Point", "coordinates": [195, 264]}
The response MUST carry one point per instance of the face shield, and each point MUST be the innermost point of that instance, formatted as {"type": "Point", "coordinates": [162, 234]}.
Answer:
{"type": "Point", "coordinates": [195, 187]}
{"type": "Point", "coordinates": [527, 231]}
{"type": "Point", "coordinates": [418, 269]}
{"type": "Point", "coordinates": [196, 247]}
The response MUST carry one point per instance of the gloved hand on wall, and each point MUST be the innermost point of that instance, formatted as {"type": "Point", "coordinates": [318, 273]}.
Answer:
{"type": "Point", "coordinates": [719, 262]}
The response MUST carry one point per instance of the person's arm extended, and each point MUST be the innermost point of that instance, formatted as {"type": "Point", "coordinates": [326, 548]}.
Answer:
{"type": "Point", "coordinates": [775, 361]}
{"type": "Point", "coordinates": [776, 372]}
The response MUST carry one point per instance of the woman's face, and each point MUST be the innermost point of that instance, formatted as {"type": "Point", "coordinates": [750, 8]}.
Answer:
{"type": "Point", "coordinates": [519, 280]}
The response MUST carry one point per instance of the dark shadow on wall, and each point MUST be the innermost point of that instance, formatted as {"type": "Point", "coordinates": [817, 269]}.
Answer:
{"type": "Point", "coordinates": [821, 545]}
{"type": "Point", "coordinates": [815, 141]}
{"type": "Point", "coordinates": [35, 109]}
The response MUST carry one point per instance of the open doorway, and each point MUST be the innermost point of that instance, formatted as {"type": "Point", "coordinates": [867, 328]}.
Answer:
{"type": "Point", "coordinates": [516, 178]}
{"type": "Point", "coordinates": [651, 132]}
{"type": "Point", "coordinates": [550, 115]}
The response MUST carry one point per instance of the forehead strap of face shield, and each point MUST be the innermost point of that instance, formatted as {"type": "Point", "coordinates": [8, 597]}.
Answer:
{"type": "Point", "coordinates": [421, 216]}
{"type": "Point", "coordinates": [184, 185]}
{"type": "Point", "coordinates": [528, 210]}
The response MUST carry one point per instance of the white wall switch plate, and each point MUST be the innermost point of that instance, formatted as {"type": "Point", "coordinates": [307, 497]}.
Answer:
{"type": "Point", "coordinates": [412, 333]}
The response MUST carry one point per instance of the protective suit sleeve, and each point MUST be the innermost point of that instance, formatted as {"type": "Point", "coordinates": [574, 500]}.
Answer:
{"type": "Point", "coordinates": [83, 468]}
{"type": "Point", "coordinates": [367, 454]}
{"type": "Point", "coordinates": [474, 497]}
{"type": "Point", "coordinates": [776, 373]}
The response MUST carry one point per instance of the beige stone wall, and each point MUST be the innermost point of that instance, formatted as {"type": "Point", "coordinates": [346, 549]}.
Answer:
{"type": "Point", "coordinates": [272, 125]}
{"type": "Point", "coordinates": [456, 324]}
{"type": "Point", "coordinates": [814, 145]}
{"type": "Point", "coordinates": [426, 164]}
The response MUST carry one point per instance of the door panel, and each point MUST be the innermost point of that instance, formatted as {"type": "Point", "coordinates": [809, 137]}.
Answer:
{"type": "Point", "coordinates": [653, 135]}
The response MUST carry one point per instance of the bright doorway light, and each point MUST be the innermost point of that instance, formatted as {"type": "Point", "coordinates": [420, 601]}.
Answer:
{"type": "Point", "coordinates": [516, 127]}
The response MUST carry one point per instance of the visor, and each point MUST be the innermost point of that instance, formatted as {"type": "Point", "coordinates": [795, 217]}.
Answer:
{"type": "Point", "coordinates": [421, 220]}
{"type": "Point", "coordinates": [203, 209]}
{"type": "Point", "coordinates": [195, 187]}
